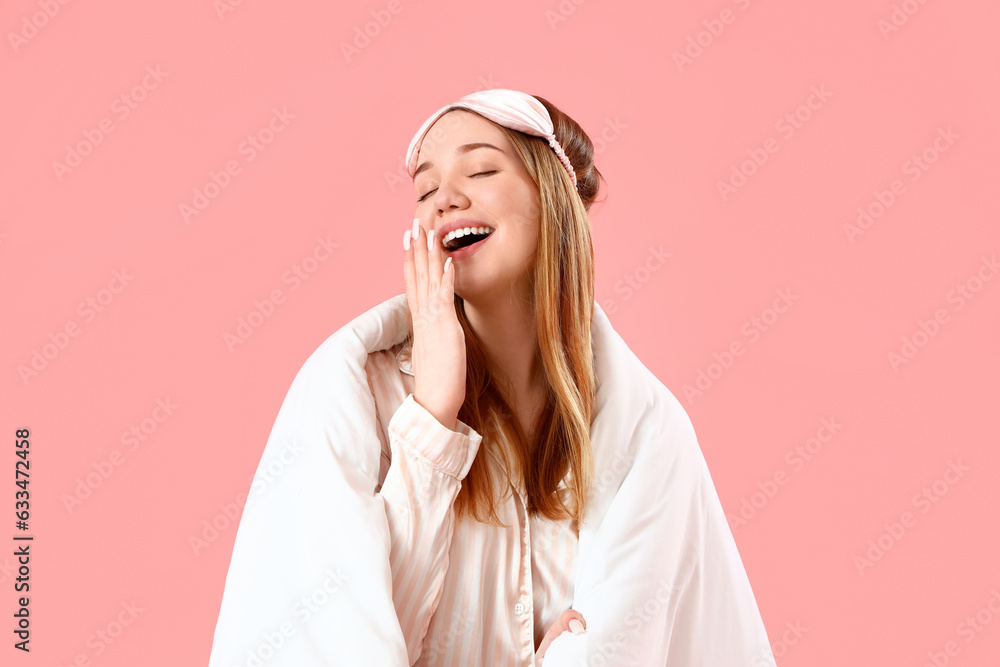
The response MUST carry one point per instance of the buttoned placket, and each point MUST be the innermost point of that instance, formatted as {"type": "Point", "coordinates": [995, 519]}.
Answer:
{"type": "Point", "coordinates": [524, 608]}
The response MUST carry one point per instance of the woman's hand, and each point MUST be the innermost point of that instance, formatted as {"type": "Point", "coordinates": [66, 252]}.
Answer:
{"type": "Point", "coordinates": [438, 355]}
{"type": "Point", "coordinates": [560, 625]}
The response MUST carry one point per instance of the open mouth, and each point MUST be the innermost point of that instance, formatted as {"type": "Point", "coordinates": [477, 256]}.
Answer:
{"type": "Point", "coordinates": [458, 239]}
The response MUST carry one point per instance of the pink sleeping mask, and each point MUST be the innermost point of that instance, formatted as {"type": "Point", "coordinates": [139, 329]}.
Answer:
{"type": "Point", "coordinates": [509, 108]}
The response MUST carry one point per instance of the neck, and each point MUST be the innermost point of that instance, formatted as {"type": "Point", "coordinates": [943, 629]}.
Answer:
{"type": "Point", "coordinates": [507, 328]}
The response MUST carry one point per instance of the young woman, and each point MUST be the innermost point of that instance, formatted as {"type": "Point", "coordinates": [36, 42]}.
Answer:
{"type": "Point", "coordinates": [483, 473]}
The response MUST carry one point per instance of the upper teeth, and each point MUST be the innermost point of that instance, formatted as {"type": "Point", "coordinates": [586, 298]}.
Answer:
{"type": "Point", "coordinates": [459, 233]}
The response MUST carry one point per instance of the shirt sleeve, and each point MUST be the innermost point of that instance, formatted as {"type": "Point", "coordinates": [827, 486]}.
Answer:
{"type": "Point", "coordinates": [429, 462]}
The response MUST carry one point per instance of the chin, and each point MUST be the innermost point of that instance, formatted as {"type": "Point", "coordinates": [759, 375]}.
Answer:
{"type": "Point", "coordinates": [470, 292]}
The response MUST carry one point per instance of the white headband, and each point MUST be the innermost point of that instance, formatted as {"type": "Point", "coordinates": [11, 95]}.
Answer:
{"type": "Point", "coordinates": [509, 108]}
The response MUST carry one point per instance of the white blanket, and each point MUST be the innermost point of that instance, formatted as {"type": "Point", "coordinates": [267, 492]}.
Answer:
{"type": "Point", "coordinates": [658, 578]}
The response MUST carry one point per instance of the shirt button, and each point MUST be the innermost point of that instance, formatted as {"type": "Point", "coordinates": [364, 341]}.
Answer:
{"type": "Point", "coordinates": [518, 608]}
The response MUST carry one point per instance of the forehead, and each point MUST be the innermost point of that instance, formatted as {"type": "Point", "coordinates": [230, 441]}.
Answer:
{"type": "Point", "coordinates": [455, 128]}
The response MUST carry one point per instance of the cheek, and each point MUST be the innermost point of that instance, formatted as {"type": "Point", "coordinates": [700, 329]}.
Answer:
{"type": "Point", "coordinates": [517, 207]}
{"type": "Point", "coordinates": [529, 202]}
{"type": "Point", "coordinates": [522, 208]}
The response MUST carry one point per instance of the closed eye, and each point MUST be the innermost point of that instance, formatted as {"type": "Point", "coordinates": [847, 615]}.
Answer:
{"type": "Point", "coordinates": [481, 173]}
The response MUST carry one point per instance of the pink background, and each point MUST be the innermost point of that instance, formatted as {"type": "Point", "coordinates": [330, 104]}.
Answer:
{"type": "Point", "coordinates": [668, 132]}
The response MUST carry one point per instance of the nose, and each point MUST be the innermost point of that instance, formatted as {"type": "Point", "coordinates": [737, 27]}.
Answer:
{"type": "Point", "coordinates": [449, 196]}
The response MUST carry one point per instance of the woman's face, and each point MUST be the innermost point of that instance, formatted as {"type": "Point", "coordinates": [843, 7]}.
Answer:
{"type": "Point", "coordinates": [487, 185]}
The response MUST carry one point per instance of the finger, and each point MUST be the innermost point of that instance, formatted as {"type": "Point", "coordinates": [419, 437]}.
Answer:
{"type": "Point", "coordinates": [448, 281]}
{"type": "Point", "coordinates": [554, 631]}
{"type": "Point", "coordinates": [560, 626]}
{"type": "Point", "coordinates": [448, 274]}
{"type": "Point", "coordinates": [408, 273]}
{"type": "Point", "coordinates": [544, 646]}
{"type": "Point", "coordinates": [419, 245]}
{"type": "Point", "coordinates": [434, 262]}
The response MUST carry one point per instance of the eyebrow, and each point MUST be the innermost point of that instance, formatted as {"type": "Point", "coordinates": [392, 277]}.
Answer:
{"type": "Point", "coordinates": [464, 148]}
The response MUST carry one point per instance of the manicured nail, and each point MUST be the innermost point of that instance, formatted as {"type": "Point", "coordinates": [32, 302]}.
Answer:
{"type": "Point", "coordinates": [576, 627]}
{"type": "Point", "coordinates": [406, 240]}
{"type": "Point", "coordinates": [447, 264]}
{"type": "Point", "coordinates": [416, 228]}
{"type": "Point", "coordinates": [430, 240]}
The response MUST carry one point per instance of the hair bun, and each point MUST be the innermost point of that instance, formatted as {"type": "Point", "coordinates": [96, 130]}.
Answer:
{"type": "Point", "coordinates": [578, 147]}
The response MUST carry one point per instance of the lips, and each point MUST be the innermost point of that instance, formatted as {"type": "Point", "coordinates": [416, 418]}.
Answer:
{"type": "Point", "coordinates": [457, 239]}
{"type": "Point", "coordinates": [460, 223]}
{"type": "Point", "coordinates": [467, 250]}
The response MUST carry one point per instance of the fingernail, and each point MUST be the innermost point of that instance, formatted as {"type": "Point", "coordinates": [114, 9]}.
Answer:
{"type": "Point", "coordinates": [447, 264]}
{"type": "Point", "coordinates": [576, 627]}
{"type": "Point", "coordinates": [406, 240]}
{"type": "Point", "coordinates": [416, 228]}
{"type": "Point", "coordinates": [430, 240]}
